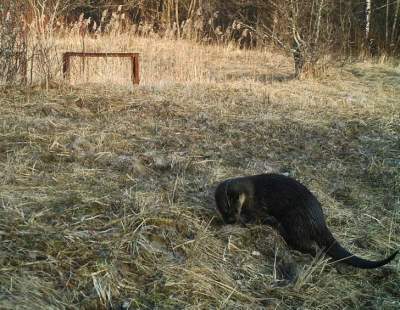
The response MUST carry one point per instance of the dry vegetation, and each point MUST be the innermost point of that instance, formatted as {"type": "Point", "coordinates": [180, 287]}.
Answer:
{"type": "Point", "coordinates": [106, 190]}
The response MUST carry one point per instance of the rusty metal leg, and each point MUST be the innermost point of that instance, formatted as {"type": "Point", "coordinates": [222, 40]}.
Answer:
{"type": "Point", "coordinates": [136, 70]}
{"type": "Point", "coordinates": [133, 75]}
{"type": "Point", "coordinates": [66, 66]}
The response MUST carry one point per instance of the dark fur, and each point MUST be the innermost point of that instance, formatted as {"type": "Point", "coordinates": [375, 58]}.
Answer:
{"type": "Point", "coordinates": [290, 207]}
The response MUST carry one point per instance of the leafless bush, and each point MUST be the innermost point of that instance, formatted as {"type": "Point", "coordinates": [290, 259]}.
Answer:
{"type": "Point", "coordinates": [42, 21]}
{"type": "Point", "coordinates": [13, 47]}
{"type": "Point", "coordinates": [27, 40]}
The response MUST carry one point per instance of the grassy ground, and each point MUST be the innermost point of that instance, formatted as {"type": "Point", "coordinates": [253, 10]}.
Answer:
{"type": "Point", "coordinates": [106, 192]}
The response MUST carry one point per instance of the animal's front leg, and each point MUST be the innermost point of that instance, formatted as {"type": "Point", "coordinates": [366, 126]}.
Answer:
{"type": "Point", "coordinates": [272, 221]}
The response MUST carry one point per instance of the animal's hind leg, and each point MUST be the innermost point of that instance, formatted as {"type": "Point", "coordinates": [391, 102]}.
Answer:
{"type": "Point", "coordinates": [303, 245]}
{"type": "Point", "coordinates": [292, 240]}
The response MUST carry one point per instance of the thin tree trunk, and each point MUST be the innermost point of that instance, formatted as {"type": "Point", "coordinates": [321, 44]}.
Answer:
{"type": "Point", "coordinates": [387, 24]}
{"type": "Point", "coordinates": [177, 17]}
{"type": "Point", "coordinates": [321, 5]}
{"type": "Point", "coordinates": [396, 16]}
{"type": "Point", "coordinates": [311, 20]}
{"type": "Point", "coordinates": [192, 8]}
{"type": "Point", "coordinates": [169, 13]}
{"type": "Point", "coordinates": [368, 19]}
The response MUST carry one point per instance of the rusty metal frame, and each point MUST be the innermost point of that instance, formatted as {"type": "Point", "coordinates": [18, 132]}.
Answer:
{"type": "Point", "coordinates": [133, 56]}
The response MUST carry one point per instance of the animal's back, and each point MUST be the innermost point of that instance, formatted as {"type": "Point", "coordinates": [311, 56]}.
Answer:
{"type": "Point", "coordinates": [283, 195]}
{"type": "Point", "coordinates": [291, 203]}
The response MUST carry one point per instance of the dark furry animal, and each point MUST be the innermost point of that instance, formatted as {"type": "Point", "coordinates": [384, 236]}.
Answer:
{"type": "Point", "coordinates": [291, 208]}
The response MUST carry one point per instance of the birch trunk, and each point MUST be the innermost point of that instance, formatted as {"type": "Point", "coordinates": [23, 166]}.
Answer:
{"type": "Point", "coordinates": [368, 19]}
{"type": "Point", "coordinates": [321, 5]}
{"type": "Point", "coordinates": [396, 17]}
{"type": "Point", "coordinates": [387, 24]}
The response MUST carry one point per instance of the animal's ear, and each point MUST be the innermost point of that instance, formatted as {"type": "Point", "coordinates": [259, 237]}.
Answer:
{"type": "Point", "coordinates": [242, 198]}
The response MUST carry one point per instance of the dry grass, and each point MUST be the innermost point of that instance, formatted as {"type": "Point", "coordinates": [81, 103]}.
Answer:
{"type": "Point", "coordinates": [106, 191]}
{"type": "Point", "coordinates": [167, 61]}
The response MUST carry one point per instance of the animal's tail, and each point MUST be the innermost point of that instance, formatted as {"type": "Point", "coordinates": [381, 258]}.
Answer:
{"type": "Point", "coordinates": [338, 253]}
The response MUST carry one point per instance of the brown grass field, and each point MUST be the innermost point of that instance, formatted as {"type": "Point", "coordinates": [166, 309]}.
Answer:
{"type": "Point", "coordinates": [106, 190]}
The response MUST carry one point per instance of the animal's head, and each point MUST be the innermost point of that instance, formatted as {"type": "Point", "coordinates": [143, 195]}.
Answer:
{"type": "Point", "coordinates": [229, 200]}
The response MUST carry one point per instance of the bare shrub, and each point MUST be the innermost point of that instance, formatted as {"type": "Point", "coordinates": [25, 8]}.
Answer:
{"type": "Point", "coordinates": [13, 46]}
{"type": "Point", "coordinates": [42, 21]}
